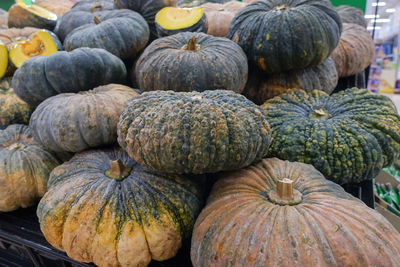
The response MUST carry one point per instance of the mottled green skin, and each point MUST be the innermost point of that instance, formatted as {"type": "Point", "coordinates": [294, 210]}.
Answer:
{"type": "Point", "coordinates": [199, 26]}
{"type": "Point", "coordinates": [66, 72]}
{"type": "Point", "coordinates": [280, 40]}
{"type": "Point", "coordinates": [350, 14]}
{"type": "Point", "coordinates": [166, 65]}
{"type": "Point", "coordinates": [193, 132]}
{"type": "Point", "coordinates": [359, 135]}
{"type": "Point", "coordinates": [123, 33]}
{"type": "Point", "coordinates": [75, 122]}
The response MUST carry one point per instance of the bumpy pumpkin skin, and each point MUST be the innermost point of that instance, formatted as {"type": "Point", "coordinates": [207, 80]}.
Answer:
{"type": "Point", "coordinates": [241, 226]}
{"type": "Point", "coordinates": [281, 35]}
{"type": "Point", "coordinates": [123, 33]}
{"type": "Point", "coordinates": [75, 122]}
{"type": "Point", "coordinates": [355, 50]}
{"type": "Point", "coordinates": [66, 72]}
{"type": "Point", "coordinates": [350, 14]}
{"type": "Point", "coordinates": [19, 17]}
{"type": "Point", "coordinates": [349, 136]}
{"type": "Point", "coordinates": [25, 167]}
{"type": "Point", "coordinates": [193, 132]}
{"type": "Point", "coordinates": [167, 64]}
{"type": "Point", "coordinates": [117, 223]}
{"type": "Point", "coordinates": [12, 108]}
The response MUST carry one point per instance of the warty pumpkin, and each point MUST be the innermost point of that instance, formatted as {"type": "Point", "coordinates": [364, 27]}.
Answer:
{"type": "Point", "coordinates": [66, 72]}
{"type": "Point", "coordinates": [349, 136]}
{"type": "Point", "coordinates": [123, 33]}
{"type": "Point", "coordinates": [103, 207]}
{"type": "Point", "coordinates": [192, 62]}
{"type": "Point", "coordinates": [355, 50]}
{"type": "Point", "coordinates": [350, 14]}
{"type": "Point", "coordinates": [193, 132]}
{"type": "Point", "coordinates": [25, 167]}
{"type": "Point", "coordinates": [261, 87]}
{"type": "Point", "coordinates": [281, 35]}
{"type": "Point", "coordinates": [277, 213]}
{"type": "Point", "coordinates": [75, 122]}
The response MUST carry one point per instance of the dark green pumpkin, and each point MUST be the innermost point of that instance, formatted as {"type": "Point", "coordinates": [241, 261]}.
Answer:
{"type": "Point", "coordinates": [75, 122]}
{"type": "Point", "coordinates": [349, 136]}
{"type": "Point", "coordinates": [82, 69]}
{"type": "Point", "coordinates": [188, 61]}
{"type": "Point", "coordinates": [123, 33]}
{"type": "Point", "coordinates": [281, 35]}
{"type": "Point", "coordinates": [261, 87]}
{"type": "Point", "coordinates": [126, 213]}
{"type": "Point", "coordinates": [193, 132]}
{"type": "Point", "coordinates": [350, 14]}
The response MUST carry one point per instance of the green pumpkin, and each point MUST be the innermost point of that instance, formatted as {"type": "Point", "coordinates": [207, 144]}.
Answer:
{"type": "Point", "coordinates": [66, 72]}
{"type": "Point", "coordinates": [125, 213]}
{"type": "Point", "coordinates": [282, 35]}
{"type": "Point", "coordinates": [349, 136]}
{"type": "Point", "coordinates": [123, 33]}
{"type": "Point", "coordinates": [193, 132]}
{"type": "Point", "coordinates": [350, 14]}
{"type": "Point", "coordinates": [25, 167]}
{"type": "Point", "coordinates": [188, 61]}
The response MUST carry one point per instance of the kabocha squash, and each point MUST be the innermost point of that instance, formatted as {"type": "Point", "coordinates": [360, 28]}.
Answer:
{"type": "Point", "coordinates": [11, 36]}
{"type": "Point", "coordinates": [172, 20]}
{"type": "Point", "coordinates": [3, 59]}
{"type": "Point", "coordinates": [278, 213]}
{"type": "Point", "coordinates": [281, 35]}
{"type": "Point", "coordinates": [66, 72]}
{"type": "Point", "coordinates": [261, 87]}
{"type": "Point", "coordinates": [75, 122]}
{"type": "Point", "coordinates": [192, 62]}
{"type": "Point", "coordinates": [24, 168]}
{"type": "Point", "coordinates": [193, 132]}
{"type": "Point", "coordinates": [350, 14]}
{"type": "Point", "coordinates": [21, 15]}
{"type": "Point", "coordinates": [12, 109]}
{"type": "Point", "coordinates": [349, 136]}
{"type": "Point", "coordinates": [355, 50]}
{"type": "Point", "coordinates": [103, 207]}
{"type": "Point", "coordinates": [123, 33]}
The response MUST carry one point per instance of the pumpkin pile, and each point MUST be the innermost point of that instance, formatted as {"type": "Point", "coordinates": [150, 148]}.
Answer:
{"type": "Point", "coordinates": [120, 175]}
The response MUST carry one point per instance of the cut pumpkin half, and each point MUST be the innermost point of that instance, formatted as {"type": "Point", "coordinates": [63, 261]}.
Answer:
{"type": "Point", "coordinates": [3, 60]}
{"type": "Point", "coordinates": [28, 14]}
{"type": "Point", "coordinates": [172, 20]}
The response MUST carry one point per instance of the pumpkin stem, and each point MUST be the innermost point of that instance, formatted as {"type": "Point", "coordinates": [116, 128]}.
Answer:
{"type": "Point", "coordinates": [285, 194]}
{"type": "Point", "coordinates": [95, 7]}
{"type": "Point", "coordinates": [319, 114]}
{"type": "Point", "coordinates": [281, 7]}
{"type": "Point", "coordinates": [191, 45]}
{"type": "Point", "coordinates": [96, 20]}
{"type": "Point", "coordinates": [118, 170]}
{"type": "Point", "coordinates": [284, 188]}
{"type": "Point", "coordinates": [16, 146]}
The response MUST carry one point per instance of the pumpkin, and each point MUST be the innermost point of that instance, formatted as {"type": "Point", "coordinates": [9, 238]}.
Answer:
{"type": "Point", "coordinates": [21, 15]}
{"type": "Point", "coordinates": [355, 50]}
{"type": "Point", "coordinates": [123, 33]}
{"type": "Point", "coordinates": [66, 72]}
{"type": "Point", "coordinates": [25, 167]}
{"type": "Point", "coordinates": [350, 14]}
{"type": "Point", "coordinates": [59, 7]}
{"type": "Point", "coordinates": [219, 16]}
{"type": "Point", "coordinates": [103, 207]}
{"type": "Point", "coordinates": [172, 20]}
{"type": "Point", "coordinates": [281, 35]}
{"type": "Point", "coordinates": [277, 213]}
{"type": "Point", "coordinates": [12, 109]}
{"type": "Point", "coordinates": [148, 9]}
{"type": "Point", "coordinates": [3, 18]}
{"type": "Point", "coordinates": [3, 59]}
{"type": "Point", "coordinates": [261, 87]}
{"type": "Point", "coordinates": [192, 62]}
{"type": "Point", "coordinates": [11, 36]}
{"type": "Point", "coordinates": [75, 122]}
{"type": "Point", "coordinates": [193, 132]}
{"type": "Point", "coordinates": [81, 13]}
{"type": "Point", "coordinates": [349, 136]}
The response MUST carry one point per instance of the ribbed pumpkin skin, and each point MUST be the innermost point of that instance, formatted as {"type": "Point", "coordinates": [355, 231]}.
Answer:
{"type": "Point", "coordinates": [359, 134]}
{"type": "Point", "coordinates": [117, 223]}
{"type": "Point", "coordinates": [350, 14]}
{"type": "Point", "coordinates": [193, 132]}
{"type": "Point", "coordinates": [241, 226]}
{"type": "Point", "coordinates": [261, 87]}
{"type": "Point", "coordinates": [66, 72]}
{"type": "Point", "coordinates": [75, 122]}
{"type": "Point", "coordinates": [302, 36]}
{"type": "Point", "coordinates": [166, 65]}
{"type": "Point", "coordinates": [355, 50]}
{"type": "Point", "coordinates": [12, 108]}
{"type": "Point", "coordinates": [24, 168]}
{"type": "Point", "coordinates": [123, 33]}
